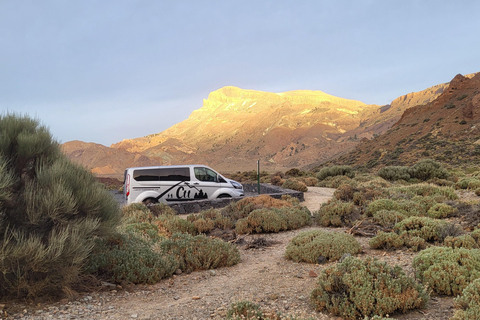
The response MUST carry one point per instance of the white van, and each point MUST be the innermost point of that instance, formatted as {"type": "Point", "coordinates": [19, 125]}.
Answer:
{"type": "Point", "coordinates": [177, 183]}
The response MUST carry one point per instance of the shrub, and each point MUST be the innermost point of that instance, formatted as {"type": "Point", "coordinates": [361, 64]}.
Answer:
{"type": "Point", "coordinates": [273, 220]}
{"type": "Point", "coordinates": [388, 218]}
{"type": "Point", "coordinates": [160, 209]}
{"type": "Point", "coordinates": [466, 241]}
{"type": "Point", "coordinates": [386, 240]}
{"type": "Point", "coordinates": [414, 242]}
{"type": "Point", "coordinates": [358, 288]}
{"type": "Point", "coordinates": [209, 219]}
{"type": "Point", "coordinates": [308, 246]}
{"type": "Point", "coordinates": [428, 169]}
{"type": "Point", "coordinates": [136, 213]}
{"type": "Point", "coordinates": [335, 171]}
{"type": "Point", "coordinates": [405, 207]}
{"type": "Point", "coordinates": [51, 212]}
{"type": "Point", "coordinates": [336, 213]}
{"type": "Point", "coordinates": [441, 210]}
{"type": "Point", "coordinates": [394, 173]}
{"type": "Point", "coordinates": [294, 184]}
{"type": "Point", "coordinates": [125, 257]}
{"type": "Point", "coordinates": [468, 303]}
{"type": "Point", "coordinates": [446, 270]}
{"type": "Point", "coordinates": [143, 229]}
{"type": "Point", "coordinates": [277, 180]}
{"type": "Point", "coordinates": [244, 310]}
{"type": "Point", "coordinates": [168, 225]}
{"type": "Point", "coordinates": [468, 183]}
{"type": "Point", "coordinates": [200, 253]}
{"type": "Point", "coordinates": [335, 182]}
{"type": "Point", "coordinates": [423, 227]}
{"type": "Point", "coordinates": [241, 209]}
{"type": "Point", "coordinates": [424, 189]}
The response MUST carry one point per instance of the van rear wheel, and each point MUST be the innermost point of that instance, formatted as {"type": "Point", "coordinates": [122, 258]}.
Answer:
{"type": "Point", "coordinates": [150, 201]}
{"type": "Point", "coordinates": [224, 195]}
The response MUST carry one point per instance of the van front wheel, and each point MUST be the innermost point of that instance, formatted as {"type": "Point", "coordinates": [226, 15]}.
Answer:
{"type": "Point", "coordinates": [150, 201]}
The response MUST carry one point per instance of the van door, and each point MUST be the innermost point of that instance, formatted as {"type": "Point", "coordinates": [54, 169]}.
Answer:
{"type": "Point", "coordinates": [207, 182]}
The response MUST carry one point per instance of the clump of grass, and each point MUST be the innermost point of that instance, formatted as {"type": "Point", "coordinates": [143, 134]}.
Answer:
{"type": "Point", "coordinates": [447, 270]}
{"type": "Point", "coordinates": [336, 213]}
{"type": "Point", "coordinates": [333, 171]}
{"type": "Point", "coordinates": [200, 252]}
{"type": "Point", "coordinates": [308, 246]}
{"type": "Point", "coordinates": [357, 288]}
{"type": "Point", "coordinates": [468, 303]}
{"type": "Point", "coordinates": [295, 184]}
{"type": "Point", "coordinates": [274, 220]}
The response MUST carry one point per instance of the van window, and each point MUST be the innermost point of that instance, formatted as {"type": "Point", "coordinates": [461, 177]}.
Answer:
{"type": "Point", "coordinates": [205, 174]}
{"type": "Point", "coordinates": [163, 174]}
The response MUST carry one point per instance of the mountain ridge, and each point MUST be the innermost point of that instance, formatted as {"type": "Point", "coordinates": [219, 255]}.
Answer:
{"type": "Point", "coordinates": [235, 127]}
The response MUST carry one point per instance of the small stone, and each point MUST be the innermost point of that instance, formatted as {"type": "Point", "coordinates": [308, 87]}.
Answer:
{"type": "Point", "coordinates": [346, 255]}
{"type": "Point", "coordinates": [135, 315]}
{"type": "Point", "coordinates": [178, 271]}
{"type": "Point", "coordinates": [312, 274]}
{"type": "Point", "coordinates": [213, 273]}
{"type": "Point", "coordinates": [321, 260]}
{"type": "Point", "coordinates": [196, 298]}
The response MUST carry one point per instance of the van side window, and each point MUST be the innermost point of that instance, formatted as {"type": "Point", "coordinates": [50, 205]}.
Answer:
{"type": "Point", "coordinates": [166, 174]}
{"type": "Point", "coordinates": [205, 174]}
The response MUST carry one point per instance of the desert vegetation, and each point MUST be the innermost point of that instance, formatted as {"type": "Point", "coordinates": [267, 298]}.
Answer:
{"type": "Point", "coordinates": [56, 215]}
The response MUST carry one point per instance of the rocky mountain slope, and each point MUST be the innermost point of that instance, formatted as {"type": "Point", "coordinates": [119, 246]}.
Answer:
{"type": "Point", "coordinates": [446, 129]}
{"type": "Point", "coordinates": [235, 127]}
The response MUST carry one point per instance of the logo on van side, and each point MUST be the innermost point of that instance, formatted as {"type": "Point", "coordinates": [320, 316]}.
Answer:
{"type": "Point", "coordinates": [181, 194]}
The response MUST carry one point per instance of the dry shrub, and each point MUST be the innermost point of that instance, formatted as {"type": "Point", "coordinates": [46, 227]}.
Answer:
{"type": "Point", "coordinates": [200, 252]}
{"type": "Point", "coordinates": [241, 209]}
{"type": "Point", "coordinates": [357, 288]}
{"type": "Point", "coordinates": [466, 241]}
{"type": "Point", "coordinates": [336, 213]}
{"type": "Point", "coordinates": [244, 310]}
{"type": "Point", "coordinates": [441, 210]}
{"type": "Point", "coordinates": [345, 192]}
{"type": "Point", "coordinates": [277, 180]}
{"type": "Point", "coordinates": [446, 270]}
{"type": "Point", "coordinates": [309, 181]}
{"type": "Point", "coordinates": [273, 220]}
{"type": "Point", "coordinates": [468, 183]}
{"type": "Point", "coordinates": [333, 171]}
{"type": "Point", "coordinates": [159, 209]}
{"type": "Point", "coordinates": [388, 218]}
{"type": "Point", "coordinates": [209, 219]}
{"type": "Point", "coordinates": [468, 303]}
{"type": "Point", "coordinates": [295, 184]}
{"type": "Point", "coordinates": [335, 182]}
{"type": "Point", "coordinates": [168, 225]}
{"type": "Point", "coordinates": [423, 227]}
{"type": "Point", "coordinates": [308, 246]}
{"type": "Point", "coordinates": [387, 241]}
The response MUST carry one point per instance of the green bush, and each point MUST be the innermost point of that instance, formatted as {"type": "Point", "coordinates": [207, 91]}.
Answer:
{"type": "Point", "coordinates": [387, 241]}
{"type": "Point", "coordinates": [387, 218]}
{"type": "Point", "coordinates": [335, 171]}
{"type": "Point", "coordinates": [447, 271]}
{"type": "Point", "coordinates": [424, 189]}
{"type": "Point", "coordinates": [200, 252]}
{"type": "Point", "coordinates": [336, 213]}
{"type": "Point", "coordinates": [394, 173]}
{"type": "Point", "coordinates": [273, 220]}
{"type": "Point", "coordinates": [209, 219]}
{"type": "Point", "coordinates": [143, 229]}
{"type": "Point", "coordinates": [51, 212]}
{"type": "Point", "coordinates": [244, 310]}
{"type": "Point", "coordinates": [136, 213]}
{"type": "Point", "coordinates": [358, 288]}
{"type": "Point", "coordinates": [335, 182]}
{"type": "Point", "coordinates": [295, 184]}
{"type": "Point", "coordinates": [126, 257]}
{"type": "Point", "coordinates": [468, 183]}
{"type": "Point", "coordinates": [428, 169]}
{"type": "Point", "coordinates": [468, 303]}
{"type": "Point", "coordinates": [168, 225]}
{"type": "Point", "coordinates": [426, 228]}
{"type": "Point", "coordinates": [465, 241]}
{"type": "Point", "coordinates": [441, 210]}
{"type": "Point", "coordinates": [404, 207]}
{"type": "Point", "coordinates": [241, 209]}
{"type": "Point", "coordinates": [308, 246]}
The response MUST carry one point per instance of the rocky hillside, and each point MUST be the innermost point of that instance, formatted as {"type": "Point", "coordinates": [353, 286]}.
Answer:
{"type": "Point", "coordinates": [446, 129]}
{"type": "Point", "coordinates": [235, 127]}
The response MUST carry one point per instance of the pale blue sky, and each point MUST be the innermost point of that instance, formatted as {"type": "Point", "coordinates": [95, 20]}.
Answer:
{"type": "Point", "coordinates": [103, 71]}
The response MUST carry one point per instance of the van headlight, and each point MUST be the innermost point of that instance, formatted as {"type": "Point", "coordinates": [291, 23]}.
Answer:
{"type": "Point", "coordinates": [236, 185]}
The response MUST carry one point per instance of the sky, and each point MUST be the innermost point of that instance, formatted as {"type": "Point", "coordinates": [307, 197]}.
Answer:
{"type": "Point", "coordinates": [104, 71]}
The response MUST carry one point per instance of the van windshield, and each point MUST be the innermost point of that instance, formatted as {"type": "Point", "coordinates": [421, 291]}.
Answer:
{"type": "Point", "coordinates": [205, 174]}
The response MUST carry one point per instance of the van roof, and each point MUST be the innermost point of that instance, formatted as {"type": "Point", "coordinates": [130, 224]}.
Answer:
{"type": "Point", "coordinates": [172, 166]}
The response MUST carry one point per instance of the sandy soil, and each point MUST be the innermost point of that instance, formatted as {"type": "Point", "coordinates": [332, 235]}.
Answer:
{"type": "Point", "coordinates": [263, 277]}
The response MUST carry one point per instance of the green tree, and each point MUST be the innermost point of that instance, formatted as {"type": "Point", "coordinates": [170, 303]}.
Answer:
{"type": "Point", "coordinates": [51, 210]}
